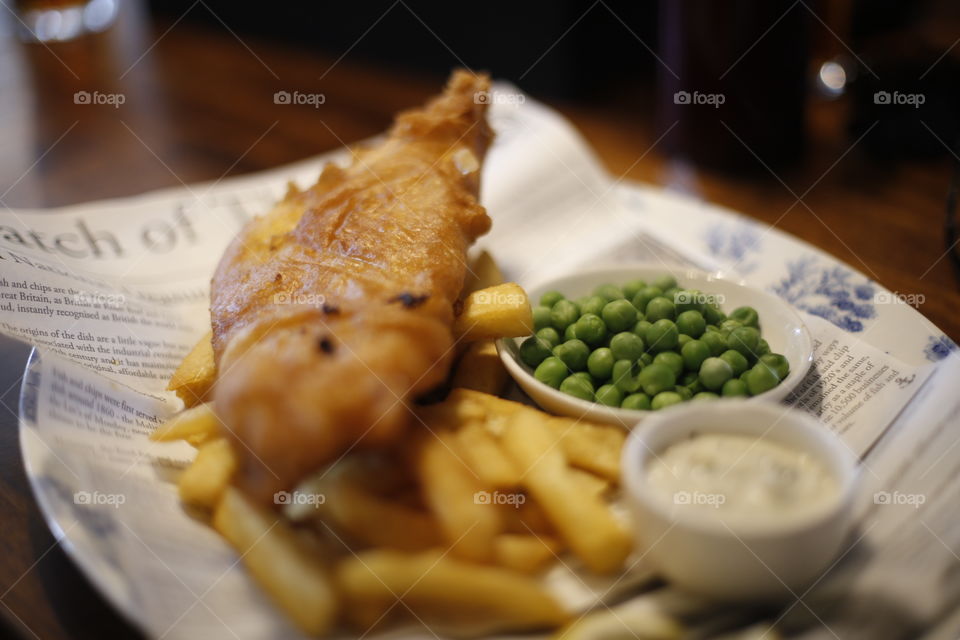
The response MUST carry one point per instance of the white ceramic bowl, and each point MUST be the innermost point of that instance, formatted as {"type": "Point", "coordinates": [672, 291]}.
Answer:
{"type": "Point", "coordinates": [780, 325]}
{"type": "Point", "coordinates": [768, 559]}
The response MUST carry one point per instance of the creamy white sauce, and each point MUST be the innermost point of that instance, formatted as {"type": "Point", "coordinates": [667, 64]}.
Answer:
{"type": "Point", "coordinates": [741, 478]}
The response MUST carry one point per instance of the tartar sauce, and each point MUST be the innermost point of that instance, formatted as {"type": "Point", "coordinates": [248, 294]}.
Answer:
{"type": "Point", "coordinates": [741, 478]}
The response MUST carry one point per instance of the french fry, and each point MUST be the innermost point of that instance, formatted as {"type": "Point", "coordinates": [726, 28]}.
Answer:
{"type": "Point", "coordinates": [195, 425]}
{"type": "Point", "coordinates": [590, 483]}
{"type": "Point", "coordinates": [481, 451]}
{"type": "Point", "coordinates": [525, 553]}
{"type": "Point", "coordinates": [593, 447]}
{"type": "Point", "coordinates": [291, 575]}
{"type": "Point", "coordinates": [483, 272]}
{"type": "Point", "coordinates": [454, 495]}
{"type": "Point", "coordinates": [194, 378]}
{"type": "Point", "coordinates": [204, 481]}
{"type": "Point", "coordinates": [377, 521]}
{"type": "Point", "coordinates": [582, 519]}
{"type": "Point", "coordinates": [495, 312]}
{"type": "Point", "coordinates": [448, 595]}
{"type": "Point", "coordinates": [480, 368]}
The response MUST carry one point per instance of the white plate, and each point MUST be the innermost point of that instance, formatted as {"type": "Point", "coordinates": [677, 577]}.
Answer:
{"type": "Point", "coordinates": [780, 326]}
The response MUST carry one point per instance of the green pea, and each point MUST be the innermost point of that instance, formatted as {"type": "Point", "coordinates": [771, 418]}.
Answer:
{"type": "Point", "coordinates": [533, 351]}
{"type": "Point", "coordinates": [684, 392]}
{"type": "Point", "coordinates": [645, 295]}
{"type": "Point", "coordinates": [744, 340]}
{"type": "Point", "coordinates": [714, 372]}
{"type": "Point", "coordinates": [627, 346]}
{"type": "Point", "coordinates": [656, 378]}
{"type": "Point", "coordinates": [641, 327]}
{"type": "Point", "coordinates": [541, 317]}
{"type": "Point", "coordinates": [671, 294]}
{"type": "Point", "coordinates": [763, 348]}
{"type": "Point", "coordinates": [744, 375]}
{"type": "Point", "coordinates": [672, 360]}
{"type": "Point", "coordinates": [682, 339]}
{"type": "Point", "coordinates": [551, 371]}
{"type": "Point", "coordinates": [608, 292]}
{"type": "Point", "coordinates": [736, 361]}
{"type": "Point", "coordinates": [712, 328]}
{"type": "Point", "coordinates": [593, 304]}
{"type": "Point", "coordinates": [646, 359]}
{"type": "Point", "coordinates": [778, 363]}
{"type": "Point", "coordinates": [688, 378]}
{"type": "Point", "coordinates": [585, 376]}
{"type": "Point", "coordinates": [551, 298]}
{"type": "Point", "coordinates": [570, 333]}
{"type": "Point", "coordinates": [747, 316]}
{"type": "Point", "coordinates": [578, 388]}
{"type": "Point", "coordinates": [591, 329]}
{"type": "Point", "coordinates": [762, 377]}
{"type": "Point", "coordinates": [691, 323]}
{"type": "Point", "coordinates": [688, 300]}
{"type": "Point", "coordinates": [715, 342]}
{"type": "Point", "coordinates": [620, 315]}
{"type": "Point", "coordinates": [729, 325]}
{"type": "Point", "coordinates": [665, 399]}
{"type": "Point", "coordinates": [704, 395]}
{"type": "Point", "coordinates": [563, 314]}
{"type": "Point", "coordinates": [665, 282]}
{"type": "Point", "coordinates": [600, 363]}
{"type": "Point", "coordinates": [609, 395]}
{"type": "Point", "coordinates": [632, 288]}
{"type": "Point", "coordinates": [734, 388]}
{"type": "Point", "coordinates": [549, 334]}
{"type": "Point", "coordinates": [696, 386]}
{"type": "Point", "coordinates": [636, 402]}
{"type": "Point", "coordinates": [662, 335]}
{"type": "Point", "coordinates": [574, 354]}
{"type": "Point", "coordinates": [694, 353]}
{"type": "Point", "coordinates": [626, 375]}
{"type": "Point", "coordinates": [659, 309]}
{"type": "Point", "coordinates": [712, 314]}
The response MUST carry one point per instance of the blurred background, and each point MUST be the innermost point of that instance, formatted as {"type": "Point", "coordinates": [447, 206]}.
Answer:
{"type": "Point", "coordinates": [834, 121]}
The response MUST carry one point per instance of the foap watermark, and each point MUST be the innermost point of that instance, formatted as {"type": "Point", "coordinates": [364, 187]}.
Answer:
{"type": "Point", "coordinates": [714, 500]}
{"type": "Point", "coordinates": [497, 497]}
{"type": "Point", "coordinates": [911, 99]}
{"type": "Point", "coordinates": [698, 297]}
{"type": "Point", "coordinates": [498, 97]}
{"type": "Point", "coordinates": [96, 97]}
{"type": "Point", "coordinates": [895, 297]}
{"type": "Point", "coordinates": [896, 498]}
{"type": "Point", "coordinates": [299, 498]}
{"type": "Point", "coordinates": [500, 298]}
{"type": "Point", "coordinates": [90, 299]}
{"type": "Point", "coordinates": [712, 99]}
{"type": "Point", "coordinates": [297, 97]}
{"type": "Point", "coordinates": [309, 299]}
{"type": "Point", "coordinates": [99, 499]}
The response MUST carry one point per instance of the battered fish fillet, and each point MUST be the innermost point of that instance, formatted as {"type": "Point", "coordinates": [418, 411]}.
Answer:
{"type": "Point", "coordinates": [333, 311]}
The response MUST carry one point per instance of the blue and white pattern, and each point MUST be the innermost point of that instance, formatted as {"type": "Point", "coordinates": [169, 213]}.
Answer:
{"type": "Point", "coordinates": [831, 292]}
{"type": "Point", "coordinates": [939, 347]}
{"type": "Point", "coordinates": [734, 243]}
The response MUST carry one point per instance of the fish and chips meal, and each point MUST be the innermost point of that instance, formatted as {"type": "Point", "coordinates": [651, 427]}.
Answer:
{"type": "Point", "coordinates": [352, 443]}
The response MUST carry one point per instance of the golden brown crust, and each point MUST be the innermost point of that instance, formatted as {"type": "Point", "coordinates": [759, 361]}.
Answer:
{"type": "Point", "coordinates": [333, 310]}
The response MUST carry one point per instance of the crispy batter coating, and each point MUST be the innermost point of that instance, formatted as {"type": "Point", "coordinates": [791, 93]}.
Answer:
{"type": "Point", "coordinates": [330, 313]}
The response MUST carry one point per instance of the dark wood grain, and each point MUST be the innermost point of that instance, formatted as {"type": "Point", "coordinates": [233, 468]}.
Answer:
{"type": "Point", "coordinates": [199, 106]}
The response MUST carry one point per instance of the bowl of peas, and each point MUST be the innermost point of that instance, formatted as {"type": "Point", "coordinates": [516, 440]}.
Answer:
{"type": "Point", "coordinates": [612, 344]}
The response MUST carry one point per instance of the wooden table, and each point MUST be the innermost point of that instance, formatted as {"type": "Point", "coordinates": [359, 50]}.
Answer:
{"type": "Point", "coordinates": [199, 106]}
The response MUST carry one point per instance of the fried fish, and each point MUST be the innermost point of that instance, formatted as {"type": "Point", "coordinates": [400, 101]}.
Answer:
{"type": "Point", "coordinates": [332, 312]}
